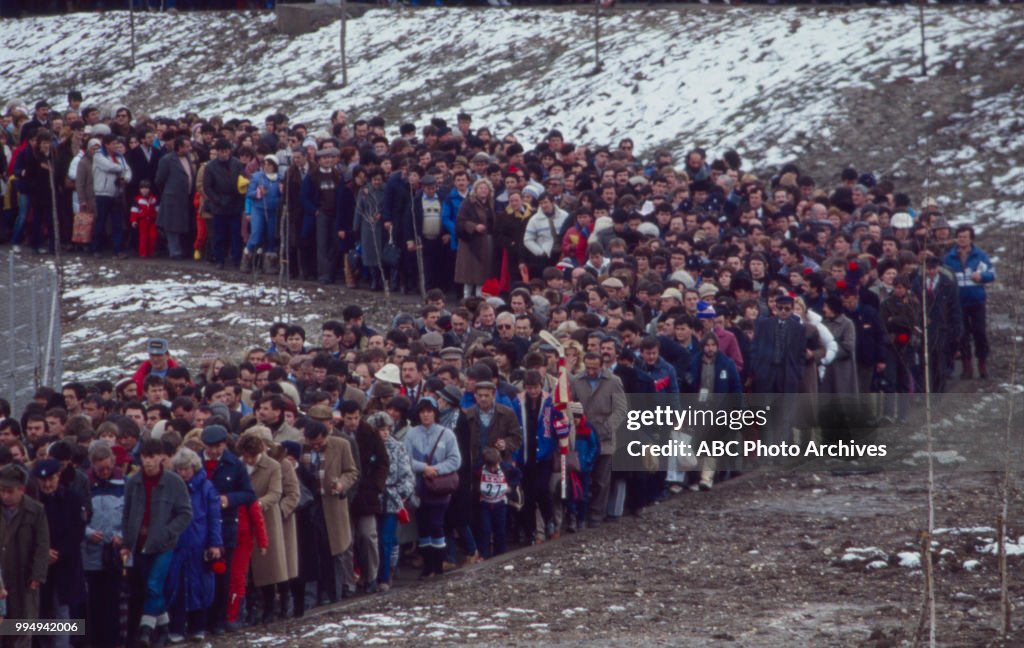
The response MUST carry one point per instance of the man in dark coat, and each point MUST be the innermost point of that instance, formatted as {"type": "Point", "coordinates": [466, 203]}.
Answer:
{"type": "Point", "coordinates": [231, 479]}
{"type": "Point", "coordinates": [67, 516]}
{"type": "Point", "coordinates": [226, 203]}
{"type": "Point", "coordinates": [24, 549]}
{"type": "Point", "coordinates": [945, 319]}
{"type": "Point", "coordinates": [144, 160]}
{"type": "Point", "coordinates": [491, 424]}
{"type": "Point", "coordinates": [778, 361]}
{"type": "Point", "coordinates": [365, 504]}
{"type": "Point", "coordinates": [175, 183]}
{"type": "Point", "coordinates": [320, 203]}
{"type": "Point", "coordinates": [397, 212]}
{"type": "Point", "coordinates": [870, 347]}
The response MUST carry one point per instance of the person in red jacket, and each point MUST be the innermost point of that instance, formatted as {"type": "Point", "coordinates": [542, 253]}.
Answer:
{"type": "Point", "coordinates": [252, 532]}
{"type": "Point", "coordinates": [144, 219]}
{"type": "Point", "coordinates": [159, 362]}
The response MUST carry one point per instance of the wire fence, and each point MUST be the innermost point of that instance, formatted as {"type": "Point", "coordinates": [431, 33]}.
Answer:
{"type": "Point", "coordinates": [30, 312]}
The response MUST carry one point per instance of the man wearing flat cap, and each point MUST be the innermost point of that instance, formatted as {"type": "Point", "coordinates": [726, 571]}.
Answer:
{"type": "Point", "coordinates": [318, 196]}
{"type": "Point", "coordinates": [25, 549]}
{"type": "Point", "coordinates": [778, 359]}
{"type": "Point", "coordinates": [427, 214]}
{"type": "Point", "coordinates": [220, 185]}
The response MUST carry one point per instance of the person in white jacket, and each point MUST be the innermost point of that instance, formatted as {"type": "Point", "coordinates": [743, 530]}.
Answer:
{"type": "Point", "coordinates": [110, 175]}
{"type": "Point", "coordinates": [543, 235]}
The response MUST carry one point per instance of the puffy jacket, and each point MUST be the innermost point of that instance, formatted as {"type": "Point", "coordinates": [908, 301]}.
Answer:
{"type": "Point", "coordinates": [106, 171]}
{"type": "Point", "coordinates": [537, 238]}
{"type": "Point", "coordinates": [107, 513]}
{"type": "Point", "coordinates": [271, 201]}
{"type": "Point", "coordinates": [449, 210]}
{"type": "Point", "coordinates": [545, 440]}
{"type": "Point", "coordinates": [971, 293]}
{"type": "Point", "coordinates": [188, 566]}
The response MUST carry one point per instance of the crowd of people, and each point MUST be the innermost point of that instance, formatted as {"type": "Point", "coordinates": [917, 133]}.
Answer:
{"type": "Point", "coordinates": [556, 278]}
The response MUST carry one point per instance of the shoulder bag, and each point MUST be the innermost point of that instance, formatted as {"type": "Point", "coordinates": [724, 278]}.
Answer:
{"type": "Point", "coordinates": [440, 485]}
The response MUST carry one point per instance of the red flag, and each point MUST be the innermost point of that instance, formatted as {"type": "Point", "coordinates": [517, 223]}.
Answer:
{"type": "Point", "coordinates": [561, 395]}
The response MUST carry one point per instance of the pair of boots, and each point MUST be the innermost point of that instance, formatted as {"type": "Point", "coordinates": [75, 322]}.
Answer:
{"type": "Point", "coordinates": [433, 559]}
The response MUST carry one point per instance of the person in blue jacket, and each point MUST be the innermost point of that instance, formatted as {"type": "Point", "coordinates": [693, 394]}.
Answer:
{"type": "Point", "coordinates": [264, 193]}
{"type": "Point", "coordinates": [972, 269]}
{"type": "Point", "coordinates": [231, 479]}
{"type": "Point", "coordinates": [449, 211]}
{"type": "Point", "coordinates": [190, 585]}
{"type": "Point", "coordinates": [718, 385]}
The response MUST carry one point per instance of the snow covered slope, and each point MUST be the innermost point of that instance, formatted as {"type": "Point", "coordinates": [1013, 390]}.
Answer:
{"type": "Point", "coordinates": [817, 85]}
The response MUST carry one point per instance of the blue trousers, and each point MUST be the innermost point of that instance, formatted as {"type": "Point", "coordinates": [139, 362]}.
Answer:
{"type": "Point", "coordinates": [493, 518]}
{"type": "Point", "coordinates": [112, 209]}
{"type": "Point", "coordinates": [154, 568]}
{"type": "Point", "coordinates": [388, 539]}
{"type": "Point", "coordinates": [19, 221]}
{"type": "Point", "coordinates": [227, 230]}
{"type": "Point", "coordinates": [262, 230]}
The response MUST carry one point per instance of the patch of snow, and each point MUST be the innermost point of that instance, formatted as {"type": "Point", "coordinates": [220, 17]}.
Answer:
{"type": "Point", "coordinates": [909, 559]}
{"type": "Point", "coordinates": [972, 565]}
{"type": "Point", "coordinates": [877, 564]}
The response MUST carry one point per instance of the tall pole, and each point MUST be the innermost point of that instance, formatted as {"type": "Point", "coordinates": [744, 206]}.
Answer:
{"type": "Point", "coordinates": [926, 545]}
{"type": "Point", "coordinates": [131, 25]}
{"type": "Point", "coordinates": [344, 25]}
{"type": "Point", "coordinates": [597, 36]}
{"type": "Point", "coordinates": [920, 20]}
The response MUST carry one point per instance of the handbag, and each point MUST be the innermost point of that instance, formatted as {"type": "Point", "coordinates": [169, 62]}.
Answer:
{"type": "Point", "coordinates": [391, 254]}
{"type": "Point", "coordinates": [81, 231]}
{"type": "Point", "coordinates": [440, 485]}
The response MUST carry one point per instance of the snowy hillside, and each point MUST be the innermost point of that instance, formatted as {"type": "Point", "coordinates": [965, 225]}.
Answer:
{"type": "Point", "coordinates": [784, 84]}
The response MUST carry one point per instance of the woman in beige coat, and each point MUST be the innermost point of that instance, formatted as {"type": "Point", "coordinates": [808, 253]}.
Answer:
{"type": "Point", "coordinates": [289, 502]}
{"type": "Point", "coordinates": [265, 474]}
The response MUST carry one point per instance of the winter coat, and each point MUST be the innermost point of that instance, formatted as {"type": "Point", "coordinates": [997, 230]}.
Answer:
{"type": "Point", "coordinates": [509, 228]}
{"type": "Point", "coordinates": [401, 483]}
{"type": "Point", "coordinates": [84, 185]}
{"type": "Point", "coordinates": [474, 259]}
{"type": "Point", "coordinates": [504, 426]}
{"type": "Point", "coordinates": [544, 442]}
{"type": "Point", "coordinates": [977, 261]}
{"type": "Point", "coordinates": [289, 501]}
{"type": "Point", "coordinates": [373, 472]}
{"type": "Point", "coordinates": [945, 315]}
{"type": "Point", "coordinates": [230, 478]}
{"type": "Point", "coordinates": [140, 374]}
{"type": "Point", "coordinates": [107, 511]}
{"type": "Point", "coordinates": [727, 377]}
{"type": "Point", "coordinates": [791, 369]}
{"type": "Point", "coordinates": [449, 214]}
{"type": "Point", "coordinates": [445, 457]}
{"type": "Point", "coordinates": [605, 406]}
{"type": "Point", "coordinates": [67, 517]}
{"type": "Point", "coordinates": [143, 168]}
{"type": "Point", "coordinates": [537, 238]}
{"type": "Point", "coordinates": [841, 373]}
{"type": "Point", "coordinates": [273, 194]}
{"type": "Point", "coordinates": [870, 335]}
{"type": "Point", "coordinates": [344, 216]}
{"type": "Point", "coordinates": [220, 184]}
{"type": "Point", "coordinates": [106, 171]}
{"type": "Point", "coordinates": [24, 556]}
{"type": "Point", "coordinates": [272, 567]}
{"type": "Point", "coordinates": [396, 208]}
{"type": "Point", "coordinates": [661, 377]}
{"type": "Point", "coordinates": [188, 564]}
{"type": "Point", "coordinates": [369, 230]}
{"type": "Point", "coordinates": [170, 512]}
{"type": "Point", "coordinates": [340, 467]}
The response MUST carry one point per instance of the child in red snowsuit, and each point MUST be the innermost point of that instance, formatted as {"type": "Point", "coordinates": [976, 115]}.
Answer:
{"type": "Point", "coordinates": [252, 530]}
{"type": "Point", "coordinates": [144, 219]}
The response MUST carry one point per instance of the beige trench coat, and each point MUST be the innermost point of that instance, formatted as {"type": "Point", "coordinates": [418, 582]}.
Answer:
{"type": "Point", "coordinates": [269, 568]}
{"type": "Point", "coordinates": [340, 467]}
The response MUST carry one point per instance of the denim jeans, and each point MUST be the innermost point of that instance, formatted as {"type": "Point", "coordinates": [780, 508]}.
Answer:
{"type": "Point", "coordinates": [107, 208]}
{"type": "Point", "coordinates": [19, 221]}
{"type": "Point", "coordinates": [388, 538]}
{"type": "Point", "coordinates": [154, 568]}
{"type": "Point", "coordinates": [493, 519]}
